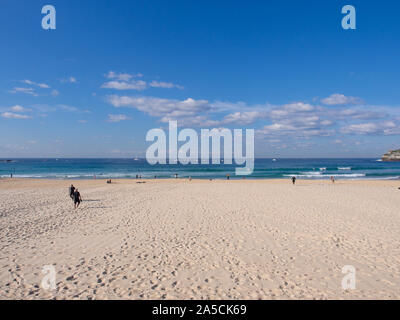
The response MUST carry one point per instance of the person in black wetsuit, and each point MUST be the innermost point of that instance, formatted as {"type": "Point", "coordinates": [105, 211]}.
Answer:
{"type": "Point", "coordinates": [71, 191]}
{"type": "Point", "coordinates": [77, 198]}
{"type": "Point", "coordinates": [294, 180]}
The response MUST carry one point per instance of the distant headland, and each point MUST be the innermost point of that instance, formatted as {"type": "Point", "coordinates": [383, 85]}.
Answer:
{"type": "Point", "coordinates": [392, 155]}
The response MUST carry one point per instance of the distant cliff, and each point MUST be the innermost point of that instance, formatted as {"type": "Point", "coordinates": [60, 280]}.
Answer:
{"type": "Point", "coordinates": [393, 155]}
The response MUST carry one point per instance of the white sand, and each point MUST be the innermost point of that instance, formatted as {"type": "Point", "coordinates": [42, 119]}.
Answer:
{"type": "Point", "coordinates": [200, 239]}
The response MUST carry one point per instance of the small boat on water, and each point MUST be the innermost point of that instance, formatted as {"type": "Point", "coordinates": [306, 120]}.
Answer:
{"type": "Point", "coordinates": [273, 160]}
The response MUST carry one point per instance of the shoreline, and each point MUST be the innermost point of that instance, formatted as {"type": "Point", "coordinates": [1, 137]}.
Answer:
{"type": "Point", "coordinates": [196, 179]}
{"type": "Point", "coordinates": [264, 169]}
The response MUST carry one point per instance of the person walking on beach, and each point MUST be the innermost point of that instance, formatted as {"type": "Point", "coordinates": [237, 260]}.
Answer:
{"type": "Point", "coordinates": [333, 179]}
{"type": "Point", "coordinates": [71, 191]}
{"type": "Point", "coordinates": [77, 199]}
{"type": "Point", "coordinates": [294, 180]}
{"type": "Point", "coordinates": [228, 176]}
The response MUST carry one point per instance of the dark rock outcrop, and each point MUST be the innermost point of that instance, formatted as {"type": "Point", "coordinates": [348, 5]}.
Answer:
{"type": "Point", "coordinates": [393, 155]}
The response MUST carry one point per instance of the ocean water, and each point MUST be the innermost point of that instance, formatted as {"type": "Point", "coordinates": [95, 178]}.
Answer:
{"type": "Point", "coordinates": [263, 169]}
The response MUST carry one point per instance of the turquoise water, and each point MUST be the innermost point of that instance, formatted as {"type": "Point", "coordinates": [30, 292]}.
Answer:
{"type": "Point", "coordinates": [263, 169]}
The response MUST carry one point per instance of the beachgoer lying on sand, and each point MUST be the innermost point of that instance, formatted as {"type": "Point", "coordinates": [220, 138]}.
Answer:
{"type": "Point", "coordinates": [71, 191]}
{"type": "Point", "coordinates": [109, 181]}
{"type": "Point", "coordinates": [77, 198]}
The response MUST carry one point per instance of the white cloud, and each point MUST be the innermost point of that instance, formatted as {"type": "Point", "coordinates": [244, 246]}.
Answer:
{"type": "Point", "coordinates": [167, 85]}
{"type": "Point", "coordinates": [126, 81]}
{"type": "Point", "coordinates": [11, 115]}
{"type": "Point", "coordinates": [68, 108]}
{"type": "Point", "coordinates": [298, 119]}
{"type": "Point", "coordinates": [27, 82]}
{"type": "Point", "coordinates": [189, 111]}
{"type": "Point", "coordinates": [281, 129]}
{"type": "Point", "coordinates": [245, 117]}
{"type": "Point", "coordinates": [340, 99]}
{"type": "Point", "coordinates": [290, 109]}
{"type": "Point", "coordinates": [18, 108]}
{"type": "Point", "coordinates": [120, 76]}
{"type": "Point", "coordinates": [117, 117]}
{"type": "Point", "coordinates": [123, 85]}
{"type": "Point", "coordinates": [298, 130]}
{"type": "Point", "coordinates": [277, 127]}
{"type": "Point", "coordinates": [55, 93]}
{"type": "Point", "coordinates": [379, 128]}
{"type": "Point", "coordinates": [221, 106]}
{"type": "Point", "coordinates": [43, 110]}
{"type": "Point", "coordinates": [360, 114]}
{"type": "Point", "coordinates": [69, 80]}
{"type": "Point", "coordinates": [32, 83]}
{"type": "Point", "coordinates": [30, 91]}
{"type": "Point", "coordinates": [158, 107]}
{"type": "Point", "coordinates": [304, 120]}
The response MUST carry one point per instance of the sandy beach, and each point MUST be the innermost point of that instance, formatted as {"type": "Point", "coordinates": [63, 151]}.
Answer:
{"type": "Point", "coordinates": [180, 239]}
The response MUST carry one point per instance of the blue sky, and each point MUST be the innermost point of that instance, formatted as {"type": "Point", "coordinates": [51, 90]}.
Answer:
{"type": "Point", "coordinates": [112, 70]}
